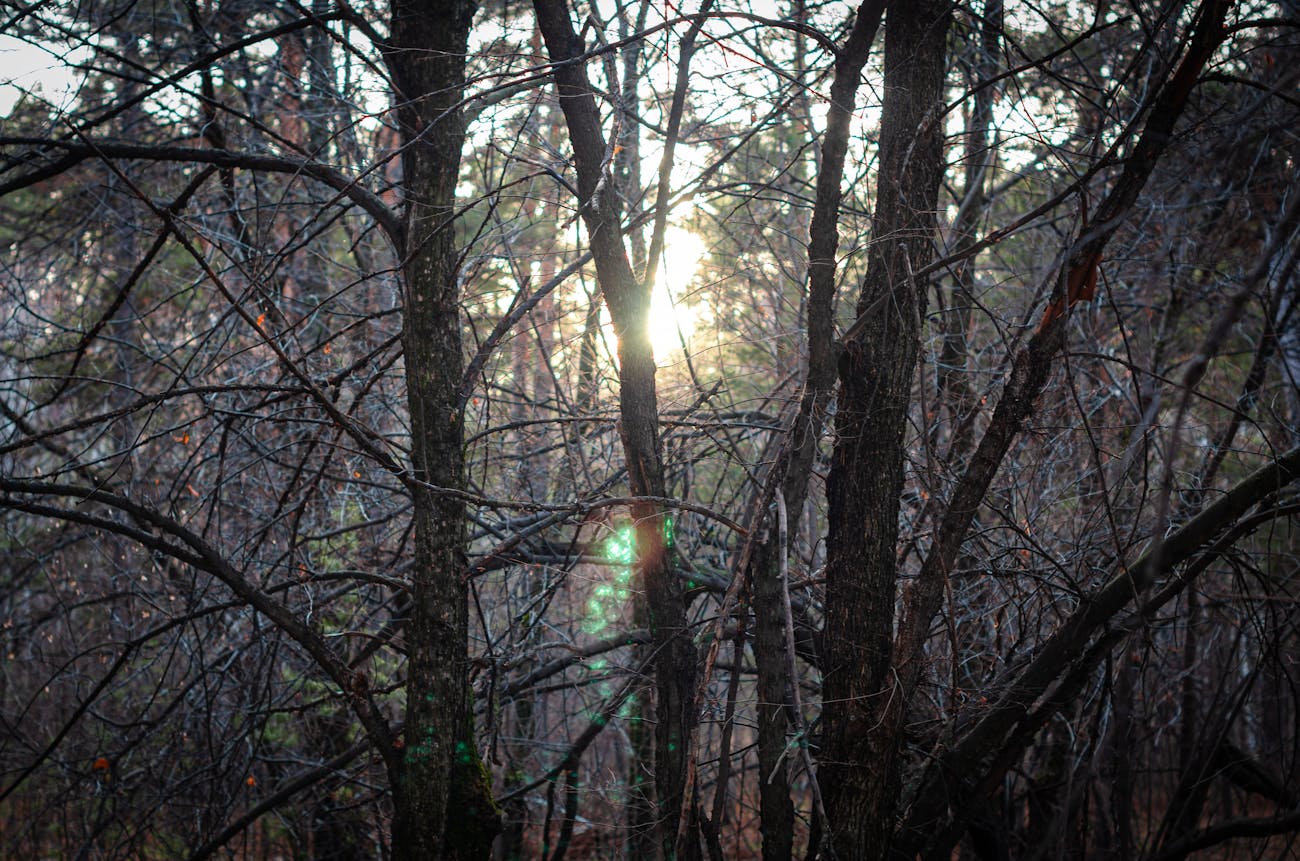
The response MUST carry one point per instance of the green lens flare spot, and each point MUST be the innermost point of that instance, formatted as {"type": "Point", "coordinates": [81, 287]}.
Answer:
{"type": "Point", "coordinates": [620, 548]}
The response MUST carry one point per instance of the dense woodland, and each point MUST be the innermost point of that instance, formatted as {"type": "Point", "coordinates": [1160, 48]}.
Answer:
{"type": "Point", "coordinates": [631, 429]}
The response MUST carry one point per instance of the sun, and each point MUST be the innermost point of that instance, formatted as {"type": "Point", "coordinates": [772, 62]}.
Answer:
{"type": "Point", "coordinates": [671, 322]}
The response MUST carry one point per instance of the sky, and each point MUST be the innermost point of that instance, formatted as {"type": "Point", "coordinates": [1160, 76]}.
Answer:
{"type": "Point", "coordinates": [28, 68]}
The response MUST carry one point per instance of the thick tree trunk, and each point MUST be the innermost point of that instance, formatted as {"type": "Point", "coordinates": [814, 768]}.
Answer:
{"type": "Point", "coordinates": [800, 446]}
{"type": "Point", "coordinates": [859, 770]}
{"type": "Point", "coordinates": [443, 803]}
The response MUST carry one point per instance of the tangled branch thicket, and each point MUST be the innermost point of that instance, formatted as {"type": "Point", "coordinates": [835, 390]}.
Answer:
{"type": "Point", "coordinates": [634, 430]}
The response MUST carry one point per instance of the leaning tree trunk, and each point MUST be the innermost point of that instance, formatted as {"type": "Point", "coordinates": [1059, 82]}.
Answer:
{"type": "Point", "coordinates": [859, 770]}
{"type": "Point", "coordinates": [443, 804]}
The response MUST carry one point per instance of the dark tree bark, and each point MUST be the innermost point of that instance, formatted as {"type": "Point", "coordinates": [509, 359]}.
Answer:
{"type": "Point", "coordinates": [307, 598]}
{"type": "Point", "coordinates": [799, 451]}
{"type": "Point", "coordinates": [859, 763]}
{"type": "Point", "coordinates": [443, 802]}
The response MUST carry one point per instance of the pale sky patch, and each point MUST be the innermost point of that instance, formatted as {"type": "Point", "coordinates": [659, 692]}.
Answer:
{"type": "Point", "coordinates": [29, 68]}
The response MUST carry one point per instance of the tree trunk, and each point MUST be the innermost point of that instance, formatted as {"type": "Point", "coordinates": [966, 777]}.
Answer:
{"type": "Point", "coordinates": [629, 305]}
{"type": "Point", "coordinates": [859, 768]}
{"type": "Point", "coordinates": [442, 773]}
{"type": "Point", "coordinates": [800, 446]}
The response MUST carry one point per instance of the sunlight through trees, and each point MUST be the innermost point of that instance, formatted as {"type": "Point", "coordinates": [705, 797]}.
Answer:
{"type": "Point", "coordinates": [618, 429]}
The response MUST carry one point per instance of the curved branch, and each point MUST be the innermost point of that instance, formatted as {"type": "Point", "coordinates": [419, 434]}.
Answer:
{"type": "Point", "coordinates": [574, 754]}
{"type": "Point", "coordinates": [1077, 634]}
{"type": "Point", "coordinates": [78, 151]}
{"type": "Point", "coordinates": [577, 655]}
{"type": "Point", "coordinates": [1231, 830]}
{"type": "Point", "coordinates": [1033, 365]}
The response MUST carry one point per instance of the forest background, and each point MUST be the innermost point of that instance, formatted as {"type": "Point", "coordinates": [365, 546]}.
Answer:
{"type": "Point", "coordinates": [635, 429]}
